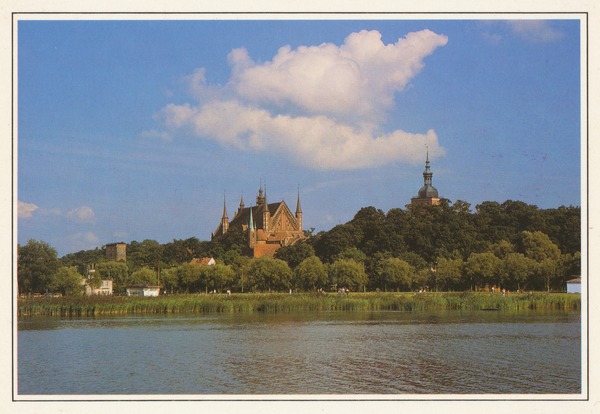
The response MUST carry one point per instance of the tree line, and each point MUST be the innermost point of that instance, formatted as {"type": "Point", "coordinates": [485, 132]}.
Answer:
{"type": "Point", "coordinates": [445, 247]}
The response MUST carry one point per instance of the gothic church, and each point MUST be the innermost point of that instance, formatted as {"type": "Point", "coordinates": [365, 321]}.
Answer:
{"type": "Point", "coordinates": [270, 226]}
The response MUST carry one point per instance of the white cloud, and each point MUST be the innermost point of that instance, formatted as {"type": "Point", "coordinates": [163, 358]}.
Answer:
{"type": "Point", "coordinates": [359, 78]}
{"type": "Point", "coordinates": [316, 142]}
{"type": "Point", "coordinates": [321, 106]}
{"type": "Point", "coordinates": [535, 31]}
{"type": "Point", "coordinates": [82, 241]}
{"type": "Point", "coordinates": [89, 237]}
{"type": "Point", "coordinates": [81, 214]}
{"type": "Point", "coordinates": [24, 210]}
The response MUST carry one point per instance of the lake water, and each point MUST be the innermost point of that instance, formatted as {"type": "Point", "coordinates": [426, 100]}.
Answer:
{"type": "Point", "coordinates": [452, 352]}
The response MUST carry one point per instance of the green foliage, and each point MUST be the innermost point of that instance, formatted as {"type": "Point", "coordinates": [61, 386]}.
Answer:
{"type": "Point", "coordinates": [143, 276]}
{"type": "Point", "coordinates": [294, 254]}
{"type": "Point", "coordinates": [266, 274]}
{"type": "Point", "coordinates": [36, 265]}
{"type": "Point", "coordinates": [449, 274]}
{"type": "Point", "coordinates": [539, 247]}
{"type": "Point", "coordinates": [279, 302]}
{"type": "Point", "coordinates": [311, 274]}
{"type": "Point", "coordinates": [396, 274]}
{"type": "Point", "coordinates": [218, 276]}
{"type": "Point", "coordinates": [483, 269]}
{"type": "Point", "coordinates": [533, 249]}
{"type": "Point", "coordinates": [349, 275]}
{"type": "Point", "coordinates": [117, 271]}
{"type": "Point", "coordinates": [67, 281]}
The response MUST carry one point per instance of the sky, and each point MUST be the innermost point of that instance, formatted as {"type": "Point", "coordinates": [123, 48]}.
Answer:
{"type": "Point", "coordinates": [133, 130]}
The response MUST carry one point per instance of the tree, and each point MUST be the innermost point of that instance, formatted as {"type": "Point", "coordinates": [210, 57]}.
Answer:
{"type": "Point", "coordinates": [449, 273]}
{"type": "Point", "coordinates": [266, 274]}
{"type": "Point", "coordinates": [352, 253]}
{"type": "Point", "coordinates": [396, 273]}
{"type": "Point", "coordinates": [37, 263]}
{"type": "Point", "coordinates": [311, 274]}
{"type": "Point", "coordinates": [348, 274]}
{"type": "Point", "coordinates": [67, 281]}
{"type": "Point", "coordinates": [143, 276]}
{"type": "Point", "coordinates": [539, 247]}
{"type": "Point", "coordinates": [294, 254]}
{"type": "Point", "coordinates": [518, 269]}
{"type": "Point", "coordinates": [218, 275]}
{"type": "Point", "coordinates": [169, 280]}
{"type": "Point", "coordinates": [190, 277]}
{"type": "Point", "coordinates": [118, 272]}
{"type": "Point", "coordinates": [482, 269]}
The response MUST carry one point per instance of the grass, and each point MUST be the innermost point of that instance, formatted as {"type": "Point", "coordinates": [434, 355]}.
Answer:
{"type": "Point", "coordinates": [283, 302]}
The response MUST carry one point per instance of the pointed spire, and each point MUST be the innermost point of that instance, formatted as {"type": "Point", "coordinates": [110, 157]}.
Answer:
{"type": "Point", "coordinates": [241, 202]}
{"type": "Point", "coordinates": [427, 174]}
{"type": "Point", "coordinates": [298, 209]}
{"type": "Point", "coordinates": [260, 199]}
{"type": "Point", "coordinates": [251, 223]}
{"type": "Point", "coordinates": [265, 206]}
{"type": "Point", "coordinates": [224, 209]}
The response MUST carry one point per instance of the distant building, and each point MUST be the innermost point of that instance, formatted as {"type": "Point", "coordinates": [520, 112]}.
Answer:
{"type": "Point", "coordinates": [209, 261]}
{"type": "Point", "coordinates": [574, 285]}
{"type": "Point", "coordinates": [428, 195]}
{"type": "Point", "coordinates": [269, 226]}
{"type": "Point", "coordinates": [105, 289]}
{"type": "Point", "coordinates": [116, 252]}
{"type": "Point", "coordinates": [142, 290]}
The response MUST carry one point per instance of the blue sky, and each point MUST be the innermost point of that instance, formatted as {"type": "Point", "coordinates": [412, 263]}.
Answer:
{"type": "Point", "coordinates": [133, 130]}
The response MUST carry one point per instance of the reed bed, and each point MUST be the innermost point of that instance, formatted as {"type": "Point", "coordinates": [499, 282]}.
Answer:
{"type": "Point", "coordinates": [298, 302]}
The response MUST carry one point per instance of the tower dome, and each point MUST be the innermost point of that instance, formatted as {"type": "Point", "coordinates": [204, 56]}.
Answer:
{"type": "Point", "coordinates": [427, 194]}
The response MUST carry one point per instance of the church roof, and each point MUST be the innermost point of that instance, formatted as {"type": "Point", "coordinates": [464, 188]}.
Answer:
{"type": "Point", "coordinates": [427, 191]}
{"type": "Point", "coordinates": [242, 218]}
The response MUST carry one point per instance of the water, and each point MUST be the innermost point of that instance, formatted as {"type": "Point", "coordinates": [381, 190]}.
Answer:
{"type": "Point", "coordinates": [449, 352]}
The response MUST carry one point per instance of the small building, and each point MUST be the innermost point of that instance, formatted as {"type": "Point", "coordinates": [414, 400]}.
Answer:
{"type": "Point", "coordinates": [209, 261]}
{"type": "Point", "coordinates": [106, 288]}
{"type": "Point", "coordinates": [574, 285]}
{"type": "Point", "coordinates": [116, 251]}
{"type": "Point", "coordinates": [142, 290]}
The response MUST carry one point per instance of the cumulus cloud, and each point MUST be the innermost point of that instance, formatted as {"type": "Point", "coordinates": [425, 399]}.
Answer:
{"type": "Point", "coordinates": [360, 77]}
{"type": "Point", "coordinates": [322, 106]}
{"type": "Point", "coordinates": [81, 214]}
{"type": "Point", "coordinates": [24, 210]}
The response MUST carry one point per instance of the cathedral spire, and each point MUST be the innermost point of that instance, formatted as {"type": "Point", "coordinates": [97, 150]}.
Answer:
{"type": "Point", "coordinates": [427, 174]}
{"type": "Point", "coordinates": [251, 223]}
{"type": "Point", "coordinates": [260, 199]}
{"type": "Point", "coordinates": [265, 206]}
{"type": "Point", "coordinates": [224, 209]}
{"type": "Point", "coordinates": [298, 209]}
{"type": "Point", "coordinates": [241, 203]}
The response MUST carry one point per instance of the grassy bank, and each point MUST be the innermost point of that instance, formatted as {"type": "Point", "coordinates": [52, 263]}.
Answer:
{"type": "Point", "coordinates": [280, 302]}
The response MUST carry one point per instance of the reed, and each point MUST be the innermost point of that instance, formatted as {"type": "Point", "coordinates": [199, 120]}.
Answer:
{"type": "Point", "coordinates": [283, 302]}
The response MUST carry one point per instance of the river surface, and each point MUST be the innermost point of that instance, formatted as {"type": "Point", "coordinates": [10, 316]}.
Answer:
{"type": "Point", "coordinates": [451, 352]}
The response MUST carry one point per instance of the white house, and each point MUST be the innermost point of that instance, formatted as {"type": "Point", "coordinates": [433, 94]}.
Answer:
{"type": "Point", "coordinates": [142, 290]}
{"type": "Point", "coordinates": [574, 285]}
{"type": "Point", "coordinates": [105, 289]}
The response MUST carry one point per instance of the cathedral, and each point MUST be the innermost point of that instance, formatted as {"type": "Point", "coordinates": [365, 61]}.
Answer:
{"type": "Point", "coordinates": [270, 226]}
{"type": "Point", "coordinates": [428, 195]}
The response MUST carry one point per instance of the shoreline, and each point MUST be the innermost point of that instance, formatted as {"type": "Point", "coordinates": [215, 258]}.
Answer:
{"type": "Point", "coordinates": [284, 302]}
